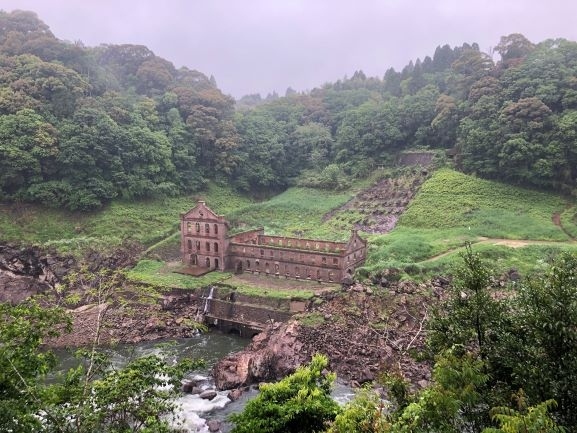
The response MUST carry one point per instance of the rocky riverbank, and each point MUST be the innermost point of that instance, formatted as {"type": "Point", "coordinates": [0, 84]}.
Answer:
{"type": "Point", "coordinates": [364, 331]}
{"type": "Point", "coordinates": [28, 271]}
{"type": "Point", "coordinates": [129, 314]}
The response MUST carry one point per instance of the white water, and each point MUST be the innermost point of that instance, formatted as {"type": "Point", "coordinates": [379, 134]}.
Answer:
{"type": "Point", "coordinates": [194, 411]}
{"type": "Point", "coordinates": [206, 302]}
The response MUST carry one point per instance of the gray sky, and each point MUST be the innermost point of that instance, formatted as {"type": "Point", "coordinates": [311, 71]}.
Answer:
{"type": "Point", "coordinates": [257, 46]}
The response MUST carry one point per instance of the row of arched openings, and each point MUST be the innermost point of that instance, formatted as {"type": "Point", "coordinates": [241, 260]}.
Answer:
{"type": "Point", "coordinates": [206, 246]}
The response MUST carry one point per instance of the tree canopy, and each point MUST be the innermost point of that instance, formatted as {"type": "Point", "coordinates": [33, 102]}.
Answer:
{"type": "Point", "coordinates": [81, 126]}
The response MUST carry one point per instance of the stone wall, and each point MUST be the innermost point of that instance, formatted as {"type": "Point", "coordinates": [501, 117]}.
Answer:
{"type": "Point", "coordinates": [245, 313]}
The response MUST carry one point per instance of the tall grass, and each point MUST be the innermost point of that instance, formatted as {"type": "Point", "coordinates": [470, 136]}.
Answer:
{"type": "Point", "coordinates": [146, 221]}
{"type": "Point", "coordinates": [450, 199]}
{"type": "Point", "coordinates": [295, 212]}
{"type": "Point", "coordinates": [452, 209]}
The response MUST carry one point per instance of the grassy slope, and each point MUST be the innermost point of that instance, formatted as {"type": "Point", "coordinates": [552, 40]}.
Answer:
{"type": "Point", "coordinates": [450, 209]}
{"type": "Point", "coordinates": [145, 221]}
{"type": "Point", "coordinates": [295, 212]}
{"type": "Point", "coordinates": [453, 208]}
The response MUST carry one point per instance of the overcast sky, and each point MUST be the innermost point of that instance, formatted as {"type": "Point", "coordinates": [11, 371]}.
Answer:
{"type": "Point", "coordinates": [257, 46]}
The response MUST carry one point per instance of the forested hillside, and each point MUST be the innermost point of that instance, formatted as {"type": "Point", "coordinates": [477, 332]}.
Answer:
{"type": "Point", "coordinates": [513, 120]}
{"type": "Point", "coordinates": [80, 126]}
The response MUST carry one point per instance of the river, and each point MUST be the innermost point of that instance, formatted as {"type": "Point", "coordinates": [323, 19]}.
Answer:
{"type": "Point", "coordinates": [211, 347]}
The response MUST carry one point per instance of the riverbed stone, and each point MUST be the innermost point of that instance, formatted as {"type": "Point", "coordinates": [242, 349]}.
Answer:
{"type": "Point", "coordinates": [213, 425]}
{"type": "Point", "coordinates": [187, 385]}
{"type": "Point", "coordinates": [209, 394]}
{"type": "Point", "coordinates": [235, 394]}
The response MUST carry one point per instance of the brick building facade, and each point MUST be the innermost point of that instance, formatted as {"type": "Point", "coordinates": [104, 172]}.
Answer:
{"type": "Point", "coordinates": [205, 244]}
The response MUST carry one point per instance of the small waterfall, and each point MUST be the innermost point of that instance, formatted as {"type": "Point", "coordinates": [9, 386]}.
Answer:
{"type": "Point", "coordinates": [207, 300]}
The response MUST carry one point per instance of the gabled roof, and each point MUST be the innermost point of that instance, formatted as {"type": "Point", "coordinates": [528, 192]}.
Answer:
{"type": "Point", "coordinates": [201, 210]}
{"type": "Point", "coordinates": [355, 237]}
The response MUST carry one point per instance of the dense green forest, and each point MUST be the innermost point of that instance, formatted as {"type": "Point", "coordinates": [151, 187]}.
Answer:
{"type": "Point", "coordinates": [80, 125]}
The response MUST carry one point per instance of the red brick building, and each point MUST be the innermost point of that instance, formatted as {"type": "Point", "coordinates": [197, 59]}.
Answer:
{"type": "Point", "coordinates": [205, 243]}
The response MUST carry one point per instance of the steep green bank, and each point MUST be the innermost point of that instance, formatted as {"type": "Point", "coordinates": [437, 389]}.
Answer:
{"type": "Point", "coordinates": [452, 209]}
{"type": "Point", "coordinates": [449, 210]}
{"type": "Point", "coordinates": [146, 222]}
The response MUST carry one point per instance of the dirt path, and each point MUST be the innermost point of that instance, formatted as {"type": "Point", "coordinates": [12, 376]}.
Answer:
{"type": "Point", "coordinates": [512, 243]}
{"type": "Point", "coordinates": [556, 218]}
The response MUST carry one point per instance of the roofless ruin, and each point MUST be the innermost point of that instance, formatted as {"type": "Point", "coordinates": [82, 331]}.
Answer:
{"type": "Point", "coordinates": [206, 246]}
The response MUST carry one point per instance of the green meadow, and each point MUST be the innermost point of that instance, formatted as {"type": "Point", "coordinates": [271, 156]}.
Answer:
{"type": "Point", "coordinates": [452, 209]}
{"type": "Point", "coordinates": [449, 210]}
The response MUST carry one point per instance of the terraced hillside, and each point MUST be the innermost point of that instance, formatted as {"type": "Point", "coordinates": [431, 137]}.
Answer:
{"type": "Point", "coordinates": [378, 208]}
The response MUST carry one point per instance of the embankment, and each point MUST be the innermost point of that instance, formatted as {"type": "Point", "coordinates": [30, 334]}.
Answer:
{"type": "Point", "coordinates": [364, 333]}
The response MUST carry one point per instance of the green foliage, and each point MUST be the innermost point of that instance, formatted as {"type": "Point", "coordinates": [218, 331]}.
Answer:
{"type": "Point", "coordinates": [23, 364]}
{"type": "Point", "coordinates": [366, 413]}
{"type": "Point", "coordinates": [302, 290]}
{"type": "Point", "coordinates": [296, 212]}
{"type": "Point", "coordinates": [332, 177]}
{"type": "Point", "coordinates": [311, 320]}
{"type": "Point", "coordinates": [452, 209]}
{"type": "Point", "coordinates": [299, 403]}
{"type": "Point", "coordinates": [452, 404]}
{"type": "Point", "coordinates": [92, 396]}
{"type": "Point", "coordinates": [159, 275]}
{"type": "Point", "coordinates": [485, 208]}
{"type": "Point", "coordinates": [82, 126]}
{"type": "Point", "coordinates": [138, 397]}
{"type": "Point", "coordinates": [548, 314]}
{"type": "Point", "coordinates": [145, 221]}
{"type": "Point", "coordinates": [532, 419]}
{"type": "Point", "coordinates": [526, 337]}
{"type": "Point", "coordinates": [471, 315]}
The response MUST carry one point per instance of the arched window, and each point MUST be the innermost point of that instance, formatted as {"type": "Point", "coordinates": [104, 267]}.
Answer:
{"type": "Point", "coordinates": [216, 247]}
{"type": "Point", "coordinates": [207, 245]}
{"type": "Point", "coordinates": [197, 245]}
{"type": "Point", "coordinates": [198, 227]}
{"type": "Point", "coordinates": [208, 262]}
{"type": "Point", "coordinates": [216, 229]}
{"type": "Point", "coordinates": [189, 242]}
{"type": "Point", "coordinates": [189, 227]}
{"type": "Point", "coordinates": [207, 228]}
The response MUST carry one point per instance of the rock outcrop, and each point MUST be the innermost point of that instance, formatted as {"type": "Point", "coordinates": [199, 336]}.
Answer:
{"type": "Point", "coordinates": [28, 271]}
{"type": "Point", "coordinates": [364, 332]}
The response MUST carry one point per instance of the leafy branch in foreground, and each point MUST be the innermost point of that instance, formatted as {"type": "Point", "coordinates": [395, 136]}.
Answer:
{"type": "Point", "coordinates": [299, 403]}
{"type": "Point", "coordinates": [93, 396]}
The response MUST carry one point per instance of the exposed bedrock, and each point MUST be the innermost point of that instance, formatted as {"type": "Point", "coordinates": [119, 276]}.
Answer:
{"type": "Point", "coordinates": [363, 332]}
